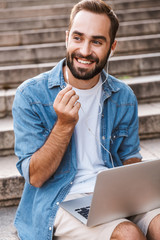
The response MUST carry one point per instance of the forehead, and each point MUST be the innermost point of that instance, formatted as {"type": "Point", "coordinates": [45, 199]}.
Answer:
{"type": "Point", "coordinates": [91, 23]}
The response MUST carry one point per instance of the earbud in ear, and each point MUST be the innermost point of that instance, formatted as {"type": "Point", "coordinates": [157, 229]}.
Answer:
{"type": "Point", "coordinates": [111, 54]}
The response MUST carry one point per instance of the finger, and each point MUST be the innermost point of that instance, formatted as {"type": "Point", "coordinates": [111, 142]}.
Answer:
{"type": "Point", "coordinates": [67, 97]}
{"type": "Point", "coordinates": [62, 93]}
{"type": "Point", "coordinates": [76, 108]}
{"type": "Point", "coordinates": [72, 101]}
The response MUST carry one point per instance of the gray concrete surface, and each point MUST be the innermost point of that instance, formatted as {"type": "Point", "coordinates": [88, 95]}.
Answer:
{"type": "Point", "coordinates": [7, 229]}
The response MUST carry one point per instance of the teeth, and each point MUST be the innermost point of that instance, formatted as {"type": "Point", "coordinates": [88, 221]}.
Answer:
{"type": "Point", "coordinates": [84, 62]}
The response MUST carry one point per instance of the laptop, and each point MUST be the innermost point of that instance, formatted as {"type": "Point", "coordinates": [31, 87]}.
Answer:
{"type": "Point", "coordinates": [119, 192]}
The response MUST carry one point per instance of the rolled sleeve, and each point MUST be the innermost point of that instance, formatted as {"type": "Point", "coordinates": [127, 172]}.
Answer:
{"type": "Point", "coordinates": [136, 155]}
{"type": "Point", "coordinates": [25, 169]}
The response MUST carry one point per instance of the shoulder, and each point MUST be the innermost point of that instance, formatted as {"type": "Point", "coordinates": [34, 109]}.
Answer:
{"type": "Point", "coordinates": [120, 84]}
{"type": "Point", "coordinates": [41, 85]}
{"type": "Point", "coordinates": [33, 89]}
{"type": "Point", "coordinates": [123, 92]}
{"type": "Point", "coordinates": [35, 82]}
{"type": "Point", "coordinates": [43, 81]}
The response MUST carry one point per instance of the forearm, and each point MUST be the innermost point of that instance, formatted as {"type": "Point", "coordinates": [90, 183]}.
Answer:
{"type": "Point", "coordinates": [46, 160]}
{"type": "Point", "coordinates": [131, 160]}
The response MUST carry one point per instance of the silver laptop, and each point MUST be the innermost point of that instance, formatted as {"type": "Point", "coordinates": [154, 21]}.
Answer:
{"type": "Point", "coordinates": [119, 192]}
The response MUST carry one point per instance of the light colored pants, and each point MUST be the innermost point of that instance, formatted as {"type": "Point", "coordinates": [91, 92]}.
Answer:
{"type": "Point", "coordinates": [68, 227]}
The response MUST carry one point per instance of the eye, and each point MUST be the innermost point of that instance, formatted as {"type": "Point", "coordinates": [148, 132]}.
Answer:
{"type": "Point", "coordinates": [96, 42]}
{"type": "Point", "coordinates": [77, 38]}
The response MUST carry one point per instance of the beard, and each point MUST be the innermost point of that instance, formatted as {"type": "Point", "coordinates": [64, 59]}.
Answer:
{"type": "Point", "coordinates": [83, 73]}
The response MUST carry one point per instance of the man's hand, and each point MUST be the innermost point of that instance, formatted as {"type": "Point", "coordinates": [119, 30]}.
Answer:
{"type": "Point", "coordinates": [67, 107]}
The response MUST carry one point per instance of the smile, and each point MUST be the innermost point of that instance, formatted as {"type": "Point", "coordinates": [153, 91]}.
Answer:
{"type": "Point", "coordinates": [84, 61]}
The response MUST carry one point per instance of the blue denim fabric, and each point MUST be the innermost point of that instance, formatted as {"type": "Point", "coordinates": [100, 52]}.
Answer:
{"type": "Point", "coordinates": [34, 118]}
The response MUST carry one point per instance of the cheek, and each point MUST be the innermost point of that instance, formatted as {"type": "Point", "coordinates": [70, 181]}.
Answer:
{"type": "Point", "coordinates": [100, 52]}
{"type": "Point", "coordinates": [104, 55]}
{"type": "Point", "coordinates": [72, 46]}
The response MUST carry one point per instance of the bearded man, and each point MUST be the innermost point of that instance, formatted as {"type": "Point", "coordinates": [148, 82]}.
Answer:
{"type": "Point", "coordinates": [71, 123]}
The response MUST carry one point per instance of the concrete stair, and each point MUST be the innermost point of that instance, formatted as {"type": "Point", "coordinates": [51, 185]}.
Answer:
{"type": "Point", "coordinates": [7, 230]}
{"type": "Point", "coordinates": [115, 4]}
{"type": "Point", "coordinates": [32, 35]}
{"type": "Point", "coordinates": [138, 27]}
{"type": "Point", "coordinates": [11, 183]}
{"type": "Point", "coordinates": [57, 9]}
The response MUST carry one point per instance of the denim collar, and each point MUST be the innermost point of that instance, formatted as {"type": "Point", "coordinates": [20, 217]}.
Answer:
{"type": "Point", "coordinates": [56, 79]}
{"type": "Point", "coordinates": [56, 76]}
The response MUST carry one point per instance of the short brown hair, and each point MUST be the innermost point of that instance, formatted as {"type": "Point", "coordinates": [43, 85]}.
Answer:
{"type": "Point", "coordinates": [98, 7]}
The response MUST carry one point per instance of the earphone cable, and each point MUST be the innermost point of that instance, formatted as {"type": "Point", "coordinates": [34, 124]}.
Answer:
{"type": "Point", "coordinates": [86, 121]}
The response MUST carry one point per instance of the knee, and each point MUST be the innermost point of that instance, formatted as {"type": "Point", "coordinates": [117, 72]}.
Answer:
{"type": "Point", "coordinates": [127, 230]}
{"type": "Point", "coordinates": [154, 229]}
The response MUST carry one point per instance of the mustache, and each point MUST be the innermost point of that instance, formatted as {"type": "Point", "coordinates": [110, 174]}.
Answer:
{"type": "Point", "coordinates": [90, 57]}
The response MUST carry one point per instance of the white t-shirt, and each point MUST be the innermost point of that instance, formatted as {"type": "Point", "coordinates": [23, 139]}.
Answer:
{"type": "Point", "coordinates": [87, 138]}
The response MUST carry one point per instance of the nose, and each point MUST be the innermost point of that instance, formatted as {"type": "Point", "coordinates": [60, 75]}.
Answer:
{"type": "Point", "coordinates": [85, 49]}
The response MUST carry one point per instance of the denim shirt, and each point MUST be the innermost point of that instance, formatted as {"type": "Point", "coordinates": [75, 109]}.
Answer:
{"type": "Point", "coordinates": [34, 118]}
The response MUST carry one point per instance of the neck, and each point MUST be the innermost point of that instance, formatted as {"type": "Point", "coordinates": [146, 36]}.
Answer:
{"type": "Point", "coordinates": [79, 83]}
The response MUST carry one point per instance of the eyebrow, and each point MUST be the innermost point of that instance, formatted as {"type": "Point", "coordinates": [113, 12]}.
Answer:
{"type": "Point", "coordinates": [94, 36]}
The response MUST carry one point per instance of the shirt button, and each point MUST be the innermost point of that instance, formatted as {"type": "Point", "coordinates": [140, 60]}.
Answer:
{"type": "Point", "coordinates": [103, 137]}
{"type": "Point", "coordinates": [57, 203]}
{"type": "Point", "coordinates": [71, 183]}
{"type": "Point", "coordinates": [50, 228]}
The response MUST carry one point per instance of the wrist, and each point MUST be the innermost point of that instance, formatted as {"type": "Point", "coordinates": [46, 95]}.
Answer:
{"type": "Point", "coordinates": [62, 128]}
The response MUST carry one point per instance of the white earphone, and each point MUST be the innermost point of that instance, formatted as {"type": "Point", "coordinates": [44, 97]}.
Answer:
{"type": "Point", "coordinates": [111, 53]}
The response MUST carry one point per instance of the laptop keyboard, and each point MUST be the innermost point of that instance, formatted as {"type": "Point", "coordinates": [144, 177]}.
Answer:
{"type": "Point", "coordinates": [83, 211]}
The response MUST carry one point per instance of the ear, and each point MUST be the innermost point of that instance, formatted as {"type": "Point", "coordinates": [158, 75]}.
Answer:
{"type": "Point", "coordinates": [114, 44]}
{"type": "Point", "coordinates": [67, 36]}
{"type": "Point", "coordinates": [113, 47]}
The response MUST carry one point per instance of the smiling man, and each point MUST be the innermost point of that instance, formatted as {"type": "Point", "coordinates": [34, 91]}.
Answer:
{"type": "Point", "coordinates": [71, 123]}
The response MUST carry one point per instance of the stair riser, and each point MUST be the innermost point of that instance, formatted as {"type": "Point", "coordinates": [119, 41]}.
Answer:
{"type": "Point", "coordinates": [13, 4]}
{"type": "Point", "coordinates": [149, 126]}
{"type": "Point", "coordinates": [10, 191]}
{"type": "Point", "coordinates": [147, 92]}
{"type": "Point", "coordinates": [134, 4]}
{"type": "Point", "coordinates": [135, 66]}
{"type": "Point", "coordinates": [119, 5]}
{"type": "Point", "coordinates": [6, 102]}
{"type": "Point", "coordinates": [139, 28]}
{"type": "Point", "coordinates": [6, 141]}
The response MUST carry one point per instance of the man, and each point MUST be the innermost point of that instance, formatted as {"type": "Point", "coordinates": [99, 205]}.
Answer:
{"type": "Point", "coordinates": [70, 123]}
